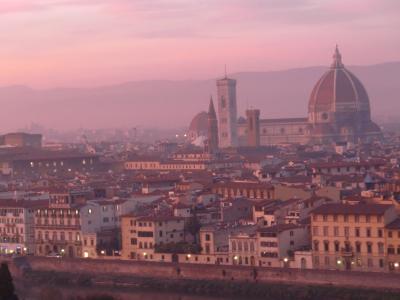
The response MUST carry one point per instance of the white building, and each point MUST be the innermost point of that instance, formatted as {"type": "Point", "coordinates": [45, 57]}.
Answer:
{"type": "Point", "coordinates": [16, 225]}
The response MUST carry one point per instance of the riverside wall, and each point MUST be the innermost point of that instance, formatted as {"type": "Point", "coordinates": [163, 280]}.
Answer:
{"type": "Point", "coordinates": [98, 268]}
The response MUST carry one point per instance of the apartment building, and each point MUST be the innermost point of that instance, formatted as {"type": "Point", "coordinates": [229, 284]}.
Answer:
{"type": "Point", "coordinates": [142, 234]}
{"type": "Point", "coordinates": [16, 225]}
{"type": "Point", "coordinates": [352, 237]}
{"type": "Point", "coordinates": [392, 234]}
{"type": "Point", "coordinates": [276, 244]}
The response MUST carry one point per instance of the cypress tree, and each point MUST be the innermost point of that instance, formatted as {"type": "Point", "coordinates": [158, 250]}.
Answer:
{"type": "Point", "coordinates": [7, 291]}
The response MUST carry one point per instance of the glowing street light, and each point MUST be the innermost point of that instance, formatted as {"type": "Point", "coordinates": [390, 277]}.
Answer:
{"type": "Point", "coordinates": [285, 259]}
{"type": "Point", "coordinates": [339, 262]}
{"type": "Point", "coordinates": [396, 264]}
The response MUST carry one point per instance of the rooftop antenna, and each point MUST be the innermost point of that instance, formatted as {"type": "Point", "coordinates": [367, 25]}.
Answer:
{"type": "Point", "coordinates": [226, 76]}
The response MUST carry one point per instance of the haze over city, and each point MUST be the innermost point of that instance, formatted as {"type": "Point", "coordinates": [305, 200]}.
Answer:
{"type": "Point", "coordinates": [199, 149]}
{"type": "Point", "coordinates": [53, 43]}
{"type": "Point", "coordinates": [126, 53]}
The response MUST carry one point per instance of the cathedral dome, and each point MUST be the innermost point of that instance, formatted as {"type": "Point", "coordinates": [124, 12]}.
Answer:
{"type": "Point", "coordinates": [199, 125]}
{"type": "Point", "coordinates": [338, 93]}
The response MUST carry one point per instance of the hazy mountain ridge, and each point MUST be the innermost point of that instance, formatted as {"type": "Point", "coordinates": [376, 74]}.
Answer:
{"type": "Point", "coordinates": [168, 103]}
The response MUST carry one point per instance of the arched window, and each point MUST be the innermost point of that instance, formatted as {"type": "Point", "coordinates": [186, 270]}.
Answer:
{"type": "Point", "coordinates": [252, 246]}
{"type": "Point", "coordinates": [233, 245]}
{"type": "Point", "coordinates": [246, 246]}
{"type": "Point", "coordinates": [240, 247]}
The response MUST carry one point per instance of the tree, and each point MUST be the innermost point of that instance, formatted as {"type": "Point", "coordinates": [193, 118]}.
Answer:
{"type": "Point", "coordinates": [7, 291]}
{"type": "Point", "coordinates": [193, 227]}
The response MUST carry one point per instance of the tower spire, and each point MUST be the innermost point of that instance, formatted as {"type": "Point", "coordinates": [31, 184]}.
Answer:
{"type": "Point", "coordinates": [337, 59]}
{"type": "Point", "coordinates": [226, 75]}
{"type": "Point", "coordinates": [212, 128]}
{"type": "Point", "coordinates": [211, 109]}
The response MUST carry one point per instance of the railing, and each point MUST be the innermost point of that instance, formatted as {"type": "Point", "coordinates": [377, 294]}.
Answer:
{"type": "Point", "coordinates": [58, 226]}
{"type": "Point", "coordinates": [347, 252]}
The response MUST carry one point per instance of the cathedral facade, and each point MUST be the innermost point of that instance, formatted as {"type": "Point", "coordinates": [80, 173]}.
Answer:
{"type": "Point", "coordinates": [338, 111]}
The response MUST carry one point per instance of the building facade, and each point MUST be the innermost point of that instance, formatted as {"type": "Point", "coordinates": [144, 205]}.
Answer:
{"type": "Point", "coordinates": [351, 237]}
{"type": "Point", "coordinates": [338, 111]}
{"type": "Point", "coordinates": [227, 112]}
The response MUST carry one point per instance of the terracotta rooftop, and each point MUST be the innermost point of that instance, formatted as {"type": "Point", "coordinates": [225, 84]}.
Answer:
{"type": "Point", "coordinates": [348, 209]}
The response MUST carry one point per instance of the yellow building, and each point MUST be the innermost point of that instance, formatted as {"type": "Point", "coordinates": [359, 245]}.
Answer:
{"type": "Point", "coordinates": [392, 233]}
{"type": "Point", "coordinates": [141, 235]}
{"type": "Point", "coordinates": [351, 237]}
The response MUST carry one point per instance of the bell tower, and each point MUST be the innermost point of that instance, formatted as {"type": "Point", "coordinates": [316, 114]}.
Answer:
{"type": "Point", "coordinates": [227, 112]}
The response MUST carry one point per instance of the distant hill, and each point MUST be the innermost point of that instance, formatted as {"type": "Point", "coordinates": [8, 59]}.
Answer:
{"type": "Point", "coordinates": [170, 104]}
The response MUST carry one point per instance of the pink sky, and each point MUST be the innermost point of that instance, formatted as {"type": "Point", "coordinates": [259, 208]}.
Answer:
{"type": "Point", "coordinates": [48, 43]}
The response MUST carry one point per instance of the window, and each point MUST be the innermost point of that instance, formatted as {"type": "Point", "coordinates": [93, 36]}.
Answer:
{"type": "Point", "coordinates": [233, 245]}
{"type": "Point", "coordinates": [379, 219]}
{"type": "Point", "coordinates": [368, 231]}
{"type": "Point", "coordinates": [358, 247]}
{"type": "Point", "coordinates": [145, 234]}
{"type": "Point", "coordinates": [346, 231]}
{"type": "Point", "coordinates": [356, 218]}
{"type": "Point", "coordinates": [316, 246]}
{"type": "Point", "coordinates": [326, 246]}
{"type": "Point", "coordinates": [252, 246]}
{"type": "Point", "coordinates": [326, 260]}
{"type": "Point", "coordinates": [369, 247]}
{"type": "Point", "coordinates": [315, 230]}
{"type": "Point", "coordinates": [336, 231]}
{"type": "Point", "coordinates": [325, 218]}
{"type": "Point", "coordinates": [381, 263]}
{"type": "Point", "coordinates": [390, 234]}
{"type": "Point", "coordinates": [133, 241]}
{"type": "Point", "coordinates": [337, 246]}
{"type": "Point", "coordinates": [223, 102]}
{"type": "Point", "coordinates": [380, 233]}
{"type": "Point", "coordinates": [380, 248]}
{"type": "Point", "coordinates": [357, 232]}
{"type": "Point", "coordinates": [240, 248]}
{"type": "Point", "coordinates": [346, 218]}
{"type": "Point", "coordinates": [335, 218]}
{"type": "Point", "coordinates": [325, 230]}
{"type": "Point", "coordinates": [208, 237]}
{"type": "Point", "coordinates": [367, 219]}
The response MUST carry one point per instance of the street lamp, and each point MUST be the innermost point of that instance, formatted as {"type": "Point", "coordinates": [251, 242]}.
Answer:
{"type": "Point", "coordinates": [396, 264]}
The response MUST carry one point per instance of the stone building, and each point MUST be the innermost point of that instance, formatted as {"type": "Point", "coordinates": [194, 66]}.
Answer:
{"type": "Point", "coordinates": [227, 112]}
{"type": "Point", "coordinates": [352, 237]}
{"type": "Point", "coordinates": [338, 111]}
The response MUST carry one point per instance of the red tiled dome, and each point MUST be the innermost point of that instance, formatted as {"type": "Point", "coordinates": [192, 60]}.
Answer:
{"type": "Point", "coordinates": [199, 123]}
{"type": "Point", "coordinates": [338, 90]}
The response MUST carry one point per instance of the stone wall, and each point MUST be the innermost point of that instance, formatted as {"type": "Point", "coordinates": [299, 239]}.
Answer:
{"type": "Point", "coordinates": [207, 272]}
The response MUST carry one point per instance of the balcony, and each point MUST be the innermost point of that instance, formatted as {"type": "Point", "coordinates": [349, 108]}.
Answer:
{"type": "Point", "coordinates": [347, 252]}
{"type": "Point", "coordinates": [57, 227]}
